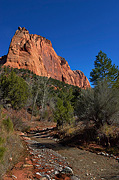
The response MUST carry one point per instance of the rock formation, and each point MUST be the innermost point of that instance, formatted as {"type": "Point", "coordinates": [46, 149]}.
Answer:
{"type": "Point", "coordinates": [36, 53]}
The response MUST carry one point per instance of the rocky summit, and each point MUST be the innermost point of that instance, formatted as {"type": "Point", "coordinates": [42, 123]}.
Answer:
{"type": "Point", "coordinates": [34, 52]}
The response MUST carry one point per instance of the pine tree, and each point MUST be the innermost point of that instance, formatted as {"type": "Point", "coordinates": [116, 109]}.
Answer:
{"type": "Point", "coordinates": [103, 70]}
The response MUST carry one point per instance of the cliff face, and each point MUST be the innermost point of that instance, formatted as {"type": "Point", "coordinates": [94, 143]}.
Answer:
{"type": "Point", "coordinates": [36, 53]}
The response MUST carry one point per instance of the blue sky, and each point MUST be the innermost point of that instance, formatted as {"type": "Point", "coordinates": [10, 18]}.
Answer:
{"type": "Point", "coordinates": [78, 29]}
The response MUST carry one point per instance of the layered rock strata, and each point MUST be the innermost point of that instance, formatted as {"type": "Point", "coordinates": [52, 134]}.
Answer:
{"type": "Point", "coordinates": [34, 52]}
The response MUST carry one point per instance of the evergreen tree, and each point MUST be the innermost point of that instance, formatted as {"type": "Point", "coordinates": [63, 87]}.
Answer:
{"type": "Point", "coordinates": [116, 83]}
{"type": "Point", "coordinates": [15, 90]}
{"type": "Point", "coordinates": [64, 110]}
{"type": "Point", "coordinates": [59, 114]}
{"type": "Point", "coordinates": [103, 69]}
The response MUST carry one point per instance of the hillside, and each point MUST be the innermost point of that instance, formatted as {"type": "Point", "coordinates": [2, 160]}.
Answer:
{"type": "Point", "coordinates": [32, 104]}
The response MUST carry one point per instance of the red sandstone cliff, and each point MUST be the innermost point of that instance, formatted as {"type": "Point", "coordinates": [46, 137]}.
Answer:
{"type": "Point", "coordinates": [36, 53]}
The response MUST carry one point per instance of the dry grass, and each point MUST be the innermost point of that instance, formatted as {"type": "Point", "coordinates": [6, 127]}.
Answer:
{"type": "Point", "coordinates": [71, 130]}
{"type": "Point", "coordinates": [88, 137]}
{"type": "Point", "coordinates": [11, 146]}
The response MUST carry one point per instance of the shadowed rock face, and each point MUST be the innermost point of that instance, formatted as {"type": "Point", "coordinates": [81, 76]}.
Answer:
{"type": "Point", "coordinates": [34, 52]}
{"type": "Point", "coordinates": [3, 59]}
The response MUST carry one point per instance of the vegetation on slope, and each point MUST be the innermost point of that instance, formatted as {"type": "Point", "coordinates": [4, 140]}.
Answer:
{"type": "Point", "coordinates": [83, 116]}
{"type": "Point", "coordinates": [11, 146]}
{"type": "Point", "coordinates": [97, 109]}
{"type": "Point", "coordinates": [21, 88]}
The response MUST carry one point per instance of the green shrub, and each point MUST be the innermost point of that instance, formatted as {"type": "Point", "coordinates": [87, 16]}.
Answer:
{"type": "Point", "coordinates": [1, 140]}
{"type": "Point", "coordinates": [19, 125]}
{"type": "Point", "coordinates": [2, 151]}
{"type": "Point", "coordinates": [64, 112]}
{"type": "Point", "coordinates": [15, 90]}
{"type": "Point", "coordinates": [100, 105]}
{"type": "Point", "coordinates": [8, 125]}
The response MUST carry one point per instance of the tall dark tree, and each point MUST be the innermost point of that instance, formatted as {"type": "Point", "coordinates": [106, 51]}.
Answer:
{"type": "Point", "coordinates": [103, 69]}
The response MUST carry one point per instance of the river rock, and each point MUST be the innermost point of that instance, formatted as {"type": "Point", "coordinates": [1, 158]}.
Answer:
{"type": "Point", "coordinates": [75, 178]}
{"type": "Point", "coordinates": [68, 171]}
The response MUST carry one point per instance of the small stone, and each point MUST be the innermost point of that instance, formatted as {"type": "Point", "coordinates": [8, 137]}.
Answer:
{"type": "Point", "coordinates": [21, 134]}
{"type": "Point", "coordinates": [60, 168]}
{"type": "Point", "coordinates": [75, 178]}
{"type": "Point", "coordinates": [38, 173]}
{"type": "Point", "coordinates": [39, 155]}
{"type": "Point", "coordinates": [10, 159]}
{"type": "Point", "coordinates": [56, 172]}
{"type": "Point", "coordinates": [67, 170]}
{"type": "Point", "coordinates": [45, 177]}
{"type": "Point", "coordinates": [99, 153]}
{"type": "Point", "coordinates": [27, 165]}
{"type": "Point", "coordinates": [14, 176]}
{"type": "Point", "coordinates": [48, 172]}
